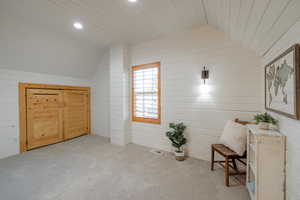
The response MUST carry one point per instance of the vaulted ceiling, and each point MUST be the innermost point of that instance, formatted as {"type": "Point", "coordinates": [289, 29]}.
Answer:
{"type": "Point", "coordinates": [257, 24]}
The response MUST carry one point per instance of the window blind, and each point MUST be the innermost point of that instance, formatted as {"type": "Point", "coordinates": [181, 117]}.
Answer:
{"type": "Point", "coordinates": [146, 93]}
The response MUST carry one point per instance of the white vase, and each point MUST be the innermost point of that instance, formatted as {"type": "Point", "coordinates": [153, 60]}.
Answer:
{"type": "Point", "coordinates": [264, 125]}
{"type": "Point", "coordinates": [179, 155]}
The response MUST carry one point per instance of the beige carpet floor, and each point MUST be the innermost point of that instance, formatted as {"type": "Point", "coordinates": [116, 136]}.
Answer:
{"type": "Point", "coordinates": [90, 168]}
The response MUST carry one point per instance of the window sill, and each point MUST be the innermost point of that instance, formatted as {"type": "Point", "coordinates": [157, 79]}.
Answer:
{"type": "Point", "coordinates": [147, 121]}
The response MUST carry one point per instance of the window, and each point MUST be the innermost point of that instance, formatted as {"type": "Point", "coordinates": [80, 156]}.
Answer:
{"type": "Point", "coordinates": [146, 93]}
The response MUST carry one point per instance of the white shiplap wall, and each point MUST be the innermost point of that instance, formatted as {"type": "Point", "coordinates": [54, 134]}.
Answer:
{"type": "Point", "coordinates": [119, 108]}
{"type": "Point", "coordinates": [236, 86]}
{"type": "Point", "coordinates": [9, 117]}
{"type": "Point", "coordinates": [289, 127]}
{"type": "Point", "coordinates": [100, 98]}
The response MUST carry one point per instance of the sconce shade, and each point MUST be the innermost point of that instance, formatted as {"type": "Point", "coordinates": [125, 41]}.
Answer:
{"type": "Point", "coordinates": [205, 74]}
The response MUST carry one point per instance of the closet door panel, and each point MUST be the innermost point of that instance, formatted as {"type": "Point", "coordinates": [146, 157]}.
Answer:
{"type": "Point", "coordinates": [76, 113]}
{"type": "Point", "coordinates": [44, 117]}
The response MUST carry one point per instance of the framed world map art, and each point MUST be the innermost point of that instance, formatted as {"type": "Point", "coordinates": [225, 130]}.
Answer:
{"type": "Point", "coordinates": [282, 83]}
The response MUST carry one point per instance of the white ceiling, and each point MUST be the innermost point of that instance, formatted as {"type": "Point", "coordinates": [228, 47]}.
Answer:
{"type": "Point", "coordinates": [110, 21]}
{"type": "Point", "coordinates": [257, 24]}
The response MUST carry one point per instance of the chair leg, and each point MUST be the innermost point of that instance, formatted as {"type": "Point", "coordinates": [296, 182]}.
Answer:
{"type": "Point", "coordinates": [234, 164]}
{"type": "Point", "coordinates": [212, 159]}
{"type": "Point", "coordinates": [227, 172]}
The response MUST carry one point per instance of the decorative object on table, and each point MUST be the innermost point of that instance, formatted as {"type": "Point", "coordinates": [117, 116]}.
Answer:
{"type": "Point", "coordinates": [265, 120]}
{"type": "Point", "coordinates": [239, 131]}
{"type": "Point", "coordinates": [282, 83]}
{"type": "Point", "coordinates": [205, 74]}
{"type": "Point", "coordinates": [175, 134]}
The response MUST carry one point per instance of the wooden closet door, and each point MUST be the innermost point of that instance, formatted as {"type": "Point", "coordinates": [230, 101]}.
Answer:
{"type": "Point", "coordinates": [44, 117]}
{"type": "Point", "coordinates": [76, 113]}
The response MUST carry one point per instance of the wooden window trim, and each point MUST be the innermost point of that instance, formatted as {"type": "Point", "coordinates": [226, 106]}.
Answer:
{"type": "Point", "coordinates": [141, 119]}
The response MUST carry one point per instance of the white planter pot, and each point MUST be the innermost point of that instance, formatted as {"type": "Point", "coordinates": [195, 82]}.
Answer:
{"type": "Point", "coordinates": [179, 155]}
{"type": "Point", "coordinates": [264, 125]}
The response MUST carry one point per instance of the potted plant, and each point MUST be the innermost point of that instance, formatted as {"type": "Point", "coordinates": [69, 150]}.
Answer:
{"type": "Point", "coordinates": [175, 134]}
{"type": "Point", "coordinates": [265, 120]}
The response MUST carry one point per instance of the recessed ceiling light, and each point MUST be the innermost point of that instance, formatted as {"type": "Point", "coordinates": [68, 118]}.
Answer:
{"type": "Point", "coordinates": [78, 25]}
{"type": "Point", "coordinates": [132, 1]}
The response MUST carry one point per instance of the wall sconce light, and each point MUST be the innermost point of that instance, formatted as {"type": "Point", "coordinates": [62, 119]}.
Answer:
{"type": "Point", "coordinates": [205, 74]}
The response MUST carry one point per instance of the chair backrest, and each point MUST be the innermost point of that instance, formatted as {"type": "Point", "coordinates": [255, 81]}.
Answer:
{"type": "Point", "coordinates": [243, 122]}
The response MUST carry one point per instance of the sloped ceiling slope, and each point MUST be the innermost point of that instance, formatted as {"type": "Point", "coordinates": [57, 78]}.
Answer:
{"type": "Point", "coordinates": [37, 35]}
{"type": "Point", "coordinates": [32, 47]}
{"type": "Point", "coordinates": [42, 29]}
{"type": "Point", "coordinates": [26, 47]}
{"type": "Point", "coordinates": [257, 24]}
{"type": "Point", "coordinates": [111, 21]}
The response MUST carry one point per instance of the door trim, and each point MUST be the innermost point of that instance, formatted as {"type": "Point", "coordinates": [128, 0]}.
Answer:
{"type": "Point", "coordinates": [23, 106]}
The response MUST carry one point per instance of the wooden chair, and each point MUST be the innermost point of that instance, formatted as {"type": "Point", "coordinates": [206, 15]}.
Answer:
{"type": "Point", "coordinates": [230, 158]}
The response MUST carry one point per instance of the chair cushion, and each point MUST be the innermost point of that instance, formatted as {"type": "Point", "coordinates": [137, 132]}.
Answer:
{"type": "Point", "coordinates": [235, 137]}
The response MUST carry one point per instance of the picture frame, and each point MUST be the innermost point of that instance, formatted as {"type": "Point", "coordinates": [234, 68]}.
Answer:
{"type": "Point", "coordinates": [282, 83]}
